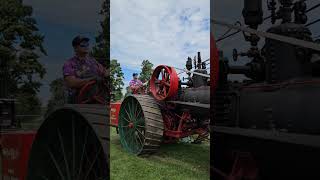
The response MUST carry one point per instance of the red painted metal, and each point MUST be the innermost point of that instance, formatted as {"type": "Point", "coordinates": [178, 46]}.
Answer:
{"type": "Point", "coordinates": [15, 148]}
{"type": "Point", "coordinates": [214, 64]}
{"type": "Point", "coordinates": [97, 97]}
{"type": "Point", "coordinates": [114, 113]}
{"type": "Point", "coordinates": [181, 134]}
{"type": "Point", "coordinates": [139, 90]}
{"type": "Point", "coordinates": [177, 127]}
{"type": "Point", "coordinates": [130, 125]}
{"type": "Point", "coordinates": [164, 82]}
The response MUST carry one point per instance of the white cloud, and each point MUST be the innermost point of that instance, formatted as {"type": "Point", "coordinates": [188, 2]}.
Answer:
{"type": "Point", "coordinates": [165, 32]}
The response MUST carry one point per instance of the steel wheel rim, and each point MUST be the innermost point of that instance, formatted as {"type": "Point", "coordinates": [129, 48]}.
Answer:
{"type": "Point", "coordinates": [132, 126]}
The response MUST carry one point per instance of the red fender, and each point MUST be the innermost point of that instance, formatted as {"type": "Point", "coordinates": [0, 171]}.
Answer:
{"type": "Point", "coordinates": [214, 64]}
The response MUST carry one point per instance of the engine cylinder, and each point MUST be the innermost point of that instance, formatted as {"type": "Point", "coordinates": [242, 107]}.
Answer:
{"type": "Point", "coordinates": [198, 95]}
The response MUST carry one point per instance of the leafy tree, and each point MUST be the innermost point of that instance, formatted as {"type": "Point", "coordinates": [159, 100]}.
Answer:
{"type": "Point", "coordinates": [116, 79]}
{"type": "Point", "coordinates": [20, 49]}
{"type": "Point", "coordinates": [146, 70]}
{"type": "Point", "coordinates": [28, 104]}
{"type": "Point", "coordinates": [128, 91]}
{"type": "Point", "coordinates": [57, 94]}
{"type": "Point", "coordinates": [101, 51]}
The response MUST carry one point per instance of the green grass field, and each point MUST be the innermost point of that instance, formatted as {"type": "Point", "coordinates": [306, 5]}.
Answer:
{"type": "Point", "coordinates": [181, 161]}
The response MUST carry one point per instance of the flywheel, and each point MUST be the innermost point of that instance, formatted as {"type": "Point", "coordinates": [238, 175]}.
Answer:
{"type": "Point", "coordinates": [164, 82]}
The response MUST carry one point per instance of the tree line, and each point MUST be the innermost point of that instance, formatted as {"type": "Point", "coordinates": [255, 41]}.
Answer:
{"type": "Point", "coordinates": [20, 49]}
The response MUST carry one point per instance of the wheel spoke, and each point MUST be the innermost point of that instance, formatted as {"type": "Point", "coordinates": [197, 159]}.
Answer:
{"type": "Point", "coordinates": [129, 132]}
{"type": "Point", "coordinates": [123, 139]}
{"type": "Point", "coordinates": [124, 118]}
{"type": "Point", "coordinates": [161, 84]}
{"type": "Point", "coordinates": [160, 94]}
{"type": "Point", "coordinates": [96, 157]}
{"type": "Point", "coordinates": [83, 151]}
{"type": "Point", "coordinates": [162, 74]}
{"type": "Point", "coordinates": [140, 139]}
{"type": "Point", "coordinates": [64, 154]}
{"type": "Point", "coordinates": [128, 114]}
{"type": "Point", "coordinates": [138, 145]}
{"type": "Point", "coordinates": [130, 106]}
{"type": "Point", "coordinates": [140, 120]}
{"type": "Point", "coordinates": [165, 91]}
{"type": "Point", "coordinates": [141, 134]}
{"type": "Point", "coordinates": [139, 112]}
{"type": "Point", "coordinates": [133, 141]}
{"type": "Point", "coordinates": [129, 139]}
{"type": "Point", "coordinates": [56, 164]}
{"type": "Point", "coordinates": [94, 173]}
{"type": "Point", "coordinates": [73, 147]}
{"type": "Point", "coordinates": [135, 108]}
{"type": "Point", "coordinates": [167, 77]}
{"type": "Point", "coordinates": [166, 83]}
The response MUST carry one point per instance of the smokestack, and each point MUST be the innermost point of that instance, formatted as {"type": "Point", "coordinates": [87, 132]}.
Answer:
{"type": "Point", "coordinates": [199, 61]}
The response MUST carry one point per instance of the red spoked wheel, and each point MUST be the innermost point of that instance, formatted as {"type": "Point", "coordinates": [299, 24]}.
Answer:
{"type": "Point", "coordinates": [164, 82]}
{"type": "Point", "coordinates": [91, 93]}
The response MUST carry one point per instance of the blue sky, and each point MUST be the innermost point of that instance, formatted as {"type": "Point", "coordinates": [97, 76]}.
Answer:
{"type": "Point", "coordinates": [59, 21]}
{"type": "Point", "coordinates": [164, 32]}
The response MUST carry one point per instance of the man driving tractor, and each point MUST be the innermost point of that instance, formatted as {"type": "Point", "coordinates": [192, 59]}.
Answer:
{"type": "Point", "coordinates": [81, 68]}
{"type": "Point", "coordinates": [136, 86]}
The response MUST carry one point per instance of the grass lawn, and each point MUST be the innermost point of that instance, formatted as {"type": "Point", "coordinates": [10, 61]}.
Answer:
{"type": "Point", "coordinates": [173, 161]}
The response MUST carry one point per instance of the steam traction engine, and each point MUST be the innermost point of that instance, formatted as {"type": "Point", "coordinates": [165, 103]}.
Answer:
{"type": "Point", "coordinates": [174, 110]}
{"type": "Point", "coordinates": [267, 126]}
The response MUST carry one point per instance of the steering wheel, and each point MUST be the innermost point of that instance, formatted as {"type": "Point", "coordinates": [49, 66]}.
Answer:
{"type": "Point", "coordinates": [92, 93]}
{"type": "Point", "coordinates": [139, 90]}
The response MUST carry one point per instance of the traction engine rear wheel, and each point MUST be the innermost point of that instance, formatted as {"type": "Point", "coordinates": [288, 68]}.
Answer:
{"type": "Point", "coordinates": [71, 144]}
{"type": "Point", "coordinates": [140, 125]}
